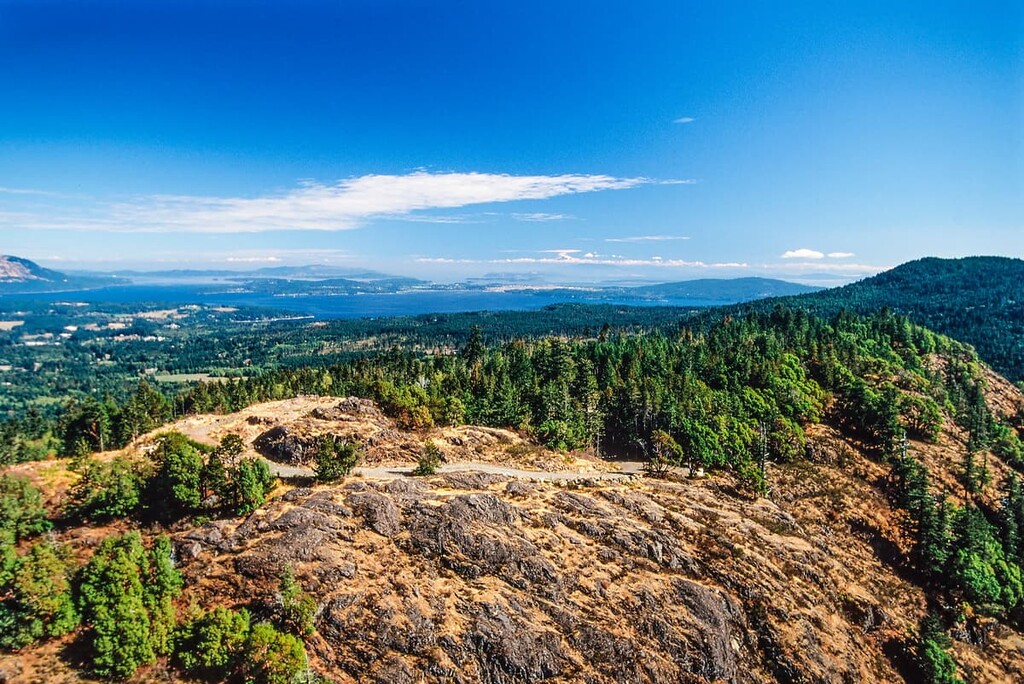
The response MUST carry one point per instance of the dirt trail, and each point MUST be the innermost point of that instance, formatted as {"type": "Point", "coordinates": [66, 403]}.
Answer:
{"type": "Point", "coordinates": [627, 469]}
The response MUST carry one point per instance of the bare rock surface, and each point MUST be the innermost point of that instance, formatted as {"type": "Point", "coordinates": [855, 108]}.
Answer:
{"type": "Point", "coordinates": [501, 580]}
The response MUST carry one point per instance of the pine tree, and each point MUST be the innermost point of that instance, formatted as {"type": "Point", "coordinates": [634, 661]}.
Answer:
{"type": "Point", "coordinates": [112, 602]}
{"type": "Point", "coordinates": [163, 585]}
{"type": "Point", "coordinates": [39, 602]}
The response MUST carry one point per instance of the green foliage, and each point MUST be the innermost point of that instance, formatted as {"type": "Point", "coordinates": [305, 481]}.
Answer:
{"type": "Point", "coordinates": [957, 548]}
{"type": "Point", "coordinates": [8, 556]}
{"type": "Point", "coordinates": [978, 300]}
{"type": "Point", "coordinates": [176, 488]}
{"type": "Point", "coordinates": [272, 657]}
{"type": "Point", "coordinates": [921, 416]}
{"type": "Point", "coordinates": [163, 585]}
{"type": "Point", "coordinates": [979, 569]}
{"type": "Point", "coordinates": [37, 601]}
{"type": "Point", "coordinates": [87, 422]}
{"type": "Point", "coordinates": [26, 436]}
{"type": "Point", "coordinates": [429, 460]}
{"type": "Point", "coordinates": [222, 645]}
{"type": "Point", "coordinates": [211, 645]}
{"type": "Point", "coordinates": [935, 664]}
{"type": "Point", "coordinates": [108, 489]}
{"type": "Point", "coordinates": [298, 609]}
{"type": "Point", "coordinates": [754, 477]}
{"type": "Point", "coordinates": [1007, 445]}
{"type": "Point", "coordinates": [125, 596]}
{"type": "Point", "coordinates": [214, 476]}
{"type": "Point", "coordinates": [21, 507]}
{"type": "Point", "coordinates": [250, 484]}
{"type": "Point", "coordinates": [112, 602]}
{"type": "Point", "coordinates": [335, 458]}
{"type": "Point", "coordinates": [231, 448]}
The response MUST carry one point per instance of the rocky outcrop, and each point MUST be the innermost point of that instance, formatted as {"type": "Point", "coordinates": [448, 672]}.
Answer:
{"type": "Point", "coordinates": [283, 445]}
{"type": "Point", "coordinates": [490, 579]}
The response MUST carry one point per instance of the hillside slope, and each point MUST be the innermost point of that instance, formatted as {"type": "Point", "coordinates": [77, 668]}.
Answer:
{"type": "Point", "coordinates": [822, 547]}
{"type": "Point", "coordinates": [22, 275]}
{"type": "Point", "coordinates": [978, 300]}
{"type": "Point", "coordinates": [474, 577]}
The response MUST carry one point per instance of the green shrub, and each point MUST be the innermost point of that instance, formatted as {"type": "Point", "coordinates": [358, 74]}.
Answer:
{"type": "Point", "coordinates": [429, 460]}
{"type": "Point", "coordinates": [21, 507]}
{"type": "Point", "coordinates": [125, 599]}
{"type": "Point", "coordinates": [272, 657]}
{"type": "Point", "coordinates": [108, 490]}
{"type": "Point", "coordinates": [250, 484]}
{"type": "Point", "coordinates": [39, 602]}
{"type": "Point", "coordinates": [298, 609]}
{"type": "Point", "coordinates": [335, 458]}
{"type": "Point", "coordinates": [934, 662]}
{"type": "Point", "coordinates": [211, 645]}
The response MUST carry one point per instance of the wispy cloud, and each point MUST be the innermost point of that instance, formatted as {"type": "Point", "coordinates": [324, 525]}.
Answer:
{"type": "Point", "coordinates": [648, 238]}
{"type": "Point", "coordinates": [684, 120]}
{"type": "Point", "coordinates": [27, 191]}
{"type": "Point", "coordinates": [840, 255]}
{"type": "Point", "coordinates": [539, 216]}
{"type": "Point", "coordinates": [344, 205]}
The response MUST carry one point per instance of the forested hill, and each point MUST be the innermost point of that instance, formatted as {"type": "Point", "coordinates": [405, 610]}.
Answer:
{"type": "Point", "coordinates": [735, 289]}
{"type": "Point", "coordinates": [978, 300]}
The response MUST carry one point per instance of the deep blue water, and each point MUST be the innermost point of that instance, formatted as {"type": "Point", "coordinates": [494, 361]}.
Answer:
{"type": "Point", "coordinates": [341, 306]}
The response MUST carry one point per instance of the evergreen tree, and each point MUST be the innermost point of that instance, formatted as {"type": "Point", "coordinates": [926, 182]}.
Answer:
{"type": "Point", "coordinates": [298, 608]}
{"type": "Point", "coordinates": [21, 507]}
{"type": "Point", "coordinates": [251, 482]}
{"type": "Point", "coordinates": [935, 664]}
{"type": "Point", "coordinates": [39, 603]}
{"type": "Point", "coordinates": [335, 458]}
{"type": "Point", "coordinates": [429, 460]}
{"type": "Point", "coordinates": [113, 604]}
{"type": "Point", "coordinates": [107, 490]}
{"type": "Point", "coordinates": [163, 585]}
{"type": "Point", "coordinates": [272, 657]}
{"type": "Point", "coordinates": [212, 645]}
{"type": "Point", "coordinates": [176, 488]}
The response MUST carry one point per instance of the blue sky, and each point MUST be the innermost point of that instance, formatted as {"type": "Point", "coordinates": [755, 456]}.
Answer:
{"type": "Point", "coordinates": [579, 140]}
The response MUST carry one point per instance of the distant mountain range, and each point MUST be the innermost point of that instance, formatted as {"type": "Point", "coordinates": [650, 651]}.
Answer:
{"type": "Point", "coordinates": [978, 300]}
{"type": "Point", "coordinates": [26, 276]}
{"type": "Point", "coordinates": [310, 272]}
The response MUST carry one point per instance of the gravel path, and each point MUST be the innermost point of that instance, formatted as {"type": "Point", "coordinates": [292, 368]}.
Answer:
{"type": "Point", "coordinates": [627, 469]}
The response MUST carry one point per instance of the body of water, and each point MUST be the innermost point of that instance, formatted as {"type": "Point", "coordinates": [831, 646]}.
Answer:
{"type": "Point", "coordinates": [408, 303]}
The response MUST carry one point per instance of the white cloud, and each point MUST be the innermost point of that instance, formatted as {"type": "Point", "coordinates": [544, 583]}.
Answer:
{"type": "Point", "coordinates": [648, 238]}
{"type": "Point", "coordinates": [28, 191]}
{"type": "Point", "coordinates": [803, 253]}
{"type": "Point", "coordinates": [684, 120]}
{"type": "Point", "coordinates": [254, 260]}
{"type": "Point", "coordinates": [344, 205]}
